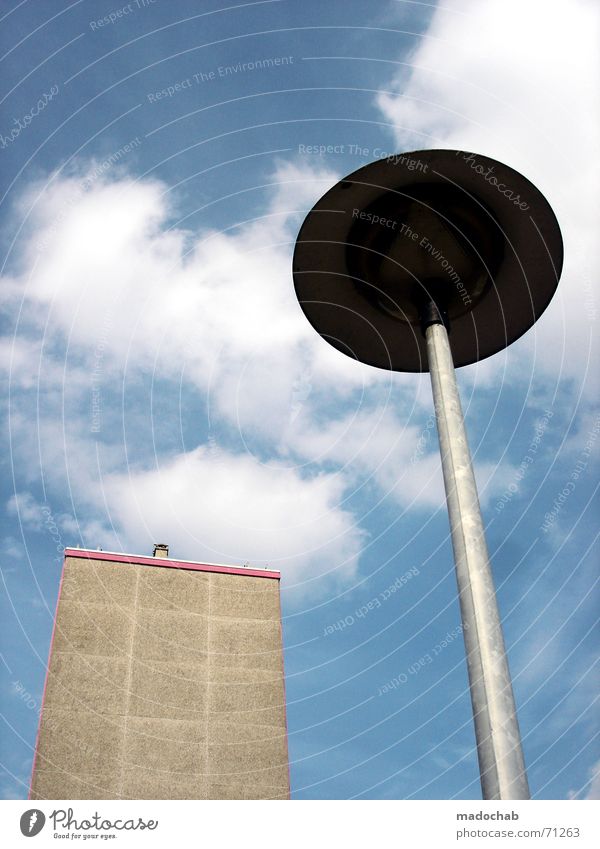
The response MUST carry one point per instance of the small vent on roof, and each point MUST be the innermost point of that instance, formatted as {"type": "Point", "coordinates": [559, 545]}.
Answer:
{"type": "Point", "coordinates": [161, 550]}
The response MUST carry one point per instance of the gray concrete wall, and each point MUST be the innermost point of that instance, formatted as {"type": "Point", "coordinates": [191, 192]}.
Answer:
{"type": "Point", "coordinates": [163, 683]}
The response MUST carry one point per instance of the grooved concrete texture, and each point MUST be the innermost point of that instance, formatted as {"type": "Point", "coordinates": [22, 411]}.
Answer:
{"type": "Point", "coordinates": [164, 682]}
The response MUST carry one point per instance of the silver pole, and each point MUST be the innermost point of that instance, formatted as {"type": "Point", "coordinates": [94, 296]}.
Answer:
{"type": "Point", "coordinates": [501, 762]}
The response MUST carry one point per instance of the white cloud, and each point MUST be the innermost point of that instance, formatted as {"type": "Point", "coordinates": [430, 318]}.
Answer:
{"type": "Point", "coordinates": [227, 508]}
{"type": "Point", "coordinates": [28, 510]}
{"type": "Point", "coordinates": [104, 268]}
{"type": "Point", "coordinates": [518, 82]}
{"type": "Point", "coordinates": [594, 788]}
{"type": "Point", "coordinates": [12, 549]}
{"type": "Point", "coordinates": [21, 361]}
{"type": "Point", "coordinates": [375, 445]}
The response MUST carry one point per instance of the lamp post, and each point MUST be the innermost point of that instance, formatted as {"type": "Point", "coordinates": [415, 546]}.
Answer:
{"type": "Point", "coordinates": [427, 261]}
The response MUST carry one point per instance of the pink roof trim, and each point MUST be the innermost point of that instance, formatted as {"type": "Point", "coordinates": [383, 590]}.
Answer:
{"type": "Point", "coordinates": [86, 554]}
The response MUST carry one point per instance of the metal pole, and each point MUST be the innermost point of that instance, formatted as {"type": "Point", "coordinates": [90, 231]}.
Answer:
{"type": "Point", "coordinates": [501, 762]}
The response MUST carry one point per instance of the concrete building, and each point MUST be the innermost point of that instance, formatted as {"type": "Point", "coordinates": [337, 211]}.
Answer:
{"type": "Point", "coordinates": [165, 681]}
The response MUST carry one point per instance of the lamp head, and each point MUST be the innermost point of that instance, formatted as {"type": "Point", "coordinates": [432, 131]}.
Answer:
{"type": "Point", "coordinates": [463, 232]}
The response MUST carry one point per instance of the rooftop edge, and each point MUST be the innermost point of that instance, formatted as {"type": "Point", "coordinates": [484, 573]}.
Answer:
{"type": "Point", "coordinates": [121, 557]}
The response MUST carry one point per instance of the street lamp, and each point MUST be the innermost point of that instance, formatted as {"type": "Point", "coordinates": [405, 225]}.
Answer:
{"type": "Point", "coordinates": [427, 261]}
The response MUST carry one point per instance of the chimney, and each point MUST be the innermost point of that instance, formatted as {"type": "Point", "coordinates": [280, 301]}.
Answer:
{"type": "Point", "coordinates": [161, 550]}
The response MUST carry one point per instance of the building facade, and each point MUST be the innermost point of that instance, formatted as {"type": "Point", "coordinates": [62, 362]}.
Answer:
{"type": "Point", "coordinates": [165, 681]}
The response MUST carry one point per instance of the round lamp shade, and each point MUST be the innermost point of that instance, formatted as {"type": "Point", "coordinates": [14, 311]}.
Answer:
{"type": "Point", "coordinates": [448, 227]}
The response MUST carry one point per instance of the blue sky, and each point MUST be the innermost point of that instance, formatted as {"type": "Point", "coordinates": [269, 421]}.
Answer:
{"type": "Point", "coordinates": [163, 384]}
